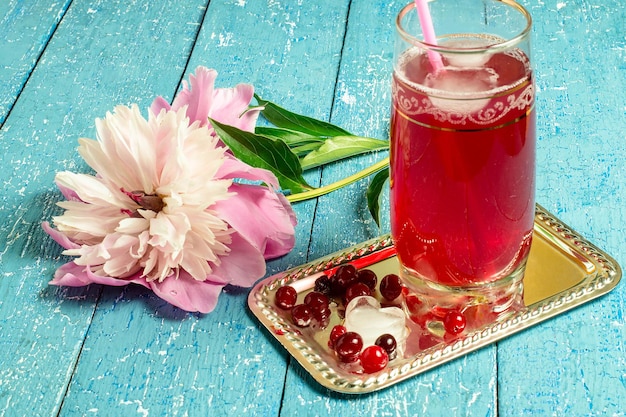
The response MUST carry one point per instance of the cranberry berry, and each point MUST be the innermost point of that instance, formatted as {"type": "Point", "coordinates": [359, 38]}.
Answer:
{"type": "Point", "coordinates": [356, 290]}
{"type": "Point", "coordinates": [301, 315]}
{"type": "Point", "coordinates": [373, 359]}
{"type": "Point", "coordinates": [321, 317]}
{"type": "Point", "coordinates": [389, 344]}
{"type": "Point", "coordinates": [335, 333]}
{"type": "Point", "coordinates": [391, 287]}
{"type": "Point", "coordinates": [345, 276]}
{"type": "Point", "coordinates": [454, 322]}
{"type": "Point", "coordinates": [348, 347]}
{"type": "Point", "coordinates": [368, 277]}
{"type": "Point", "coordinates": [286, 297]}
{"type": "Point", "coordinates": [316, 300]}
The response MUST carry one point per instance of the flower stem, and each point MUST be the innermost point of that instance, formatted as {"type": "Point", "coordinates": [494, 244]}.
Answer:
{"type": "Point", "coordinates": [339, 184]}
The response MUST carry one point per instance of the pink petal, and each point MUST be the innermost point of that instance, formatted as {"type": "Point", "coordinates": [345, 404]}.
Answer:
{"type": "Point", "coordinates": [198, 98]}
{"type": "Point", "coordinates": [247, 121]}
{"type": "Point", "coordinates": [59, 237]}
{"type": "Point", "coordinates": [187, 293]}
{"type": "Point", "coordinates": [243, 266]}
{"type": "Point", "coordinates": [233, 168]}
{"type": "Point", "coordinates": [230, 104]}
{"type": "Point", "coordinates": [159, 104]}
{"type": "Point", "coordinates": [72, 275]}
{"type": "Point", "coordinates": [184, 292]}
{"type": "Point", "coordinates": [68, 193]}
{"type": "Point", "coordinates": [261, 216]}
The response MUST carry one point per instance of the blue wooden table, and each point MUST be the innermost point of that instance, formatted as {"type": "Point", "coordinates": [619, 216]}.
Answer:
{"type": "Point", "coordinates": [106, 351]}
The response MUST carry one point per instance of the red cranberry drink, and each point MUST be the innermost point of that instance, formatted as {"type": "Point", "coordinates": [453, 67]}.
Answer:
{"type": "Point", "coordinates": [463, 170]}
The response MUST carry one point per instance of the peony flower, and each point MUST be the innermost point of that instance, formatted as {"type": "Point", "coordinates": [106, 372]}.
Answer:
{"type": "Point", "coordinates": [164, 209]}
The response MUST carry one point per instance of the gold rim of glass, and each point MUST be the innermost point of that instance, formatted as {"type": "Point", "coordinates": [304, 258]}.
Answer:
{"type": "Point", "coordinates": [507, 44]}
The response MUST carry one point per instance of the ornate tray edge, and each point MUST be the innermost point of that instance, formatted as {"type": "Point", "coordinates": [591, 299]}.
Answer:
{"type": "Point", "coordinates": [593, 286]}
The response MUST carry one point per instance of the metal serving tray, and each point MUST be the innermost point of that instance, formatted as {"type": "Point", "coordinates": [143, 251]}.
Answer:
{"type": "Point", "coordinates": [564, 271]}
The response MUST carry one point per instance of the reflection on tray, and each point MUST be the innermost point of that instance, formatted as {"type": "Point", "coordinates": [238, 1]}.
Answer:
{"type": "Point", "coordinates": [564, 270]}
{"type": "Point", "coordinates": [553, 266]}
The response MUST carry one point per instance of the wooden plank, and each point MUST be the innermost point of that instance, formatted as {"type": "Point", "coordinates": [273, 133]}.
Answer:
{"type": "Point", "coordinates": [575, 364]}
{"type": "Point", "coordinates": [103, 53]}
{"type": "Point", "coordinates": [26, 29]}
{"type": "Point", "coordinates": [146, 356]}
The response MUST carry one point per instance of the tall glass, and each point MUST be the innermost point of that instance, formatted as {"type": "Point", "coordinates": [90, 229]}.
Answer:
{"type": "Point", "coordinates": [463, 158]}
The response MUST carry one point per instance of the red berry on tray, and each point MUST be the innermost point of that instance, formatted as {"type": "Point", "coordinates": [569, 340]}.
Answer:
{"type": "Point", "coordinates": [321, 317]}
{"type": "Point", "coordinates": [368, 277]}
{"type": "Point", "coordinates": [373, 359]}
{"type": "Point", "coordinates": [454, 322]}
{"type": "Point", "coordinates": [301, 315]}
{"type": "Point", "coordinates": [388, 343]}
{"type": "Point", "coordinates": [316, 299]}
{"type": "Point", "coordinates": [286, 297]}
{"type": "Point", "coordinates": [356, 290]}
{"type": "Point", "coordinates": [390, 287]}
{"type": "Point", "coordinates": [345, 276]}
{"type": "Point", "coordinates": [348, 347]}
{"type": "Point", "coordinates": [336, 332]}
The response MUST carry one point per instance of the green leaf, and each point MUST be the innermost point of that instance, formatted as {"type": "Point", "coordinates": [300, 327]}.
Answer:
{"type": "Point", "coordinates": [304, 150]}
{"type": "Point", "coordinates": [290, 137]}
{"type": "Point", "coordinates": [340, 147]}
{"type": "Point", "coordinates": [263, 152]}
{"type": "Point", "coordinates": [374, 194]}
{"type": "Point", "coordinates": [283, 118]}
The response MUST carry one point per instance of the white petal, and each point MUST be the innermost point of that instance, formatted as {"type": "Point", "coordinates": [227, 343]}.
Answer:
{"type": "Point", "coordinates": [127, 150]}
{"type": "Point", "coordinates": [132, 225]}
{"type": "Point", "coordinates": [89, 189]}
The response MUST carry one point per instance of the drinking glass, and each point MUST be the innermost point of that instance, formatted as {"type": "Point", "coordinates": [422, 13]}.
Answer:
{"type": "Point", "coordinates": [462, 170]}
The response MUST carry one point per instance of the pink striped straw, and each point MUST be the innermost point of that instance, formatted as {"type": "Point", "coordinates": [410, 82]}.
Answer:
{"type": "Point", "coordinates": [428, 30]}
